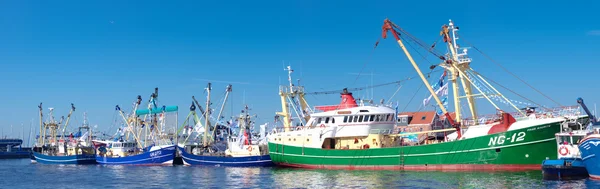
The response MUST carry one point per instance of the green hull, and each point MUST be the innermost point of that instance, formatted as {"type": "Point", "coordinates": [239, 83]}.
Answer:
{"type": "Point", "coordinates": [522, 149]}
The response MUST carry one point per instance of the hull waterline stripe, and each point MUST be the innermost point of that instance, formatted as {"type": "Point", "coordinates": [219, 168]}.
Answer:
{"type": "Point", "coordinates": [443, 167]}
{"type": "Point", "coordinates": [126, 162]}
{"type": "Point", "coordinates": [410, 155]}
{"type": "Point", "coordinates": [69, 160]}
{"type": "Point", "coordinates": [224, 162]}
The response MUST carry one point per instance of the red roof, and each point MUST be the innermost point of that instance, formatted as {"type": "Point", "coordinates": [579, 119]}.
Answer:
{"type": "Point", "coordinates": [420, 117]}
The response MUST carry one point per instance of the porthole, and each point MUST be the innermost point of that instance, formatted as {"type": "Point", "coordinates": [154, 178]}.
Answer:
{"type": "Point", "coordinates": [307, 140]}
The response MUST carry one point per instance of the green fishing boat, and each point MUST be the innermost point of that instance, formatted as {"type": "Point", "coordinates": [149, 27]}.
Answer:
{"type": "Point", "coordinates": [352, 135]}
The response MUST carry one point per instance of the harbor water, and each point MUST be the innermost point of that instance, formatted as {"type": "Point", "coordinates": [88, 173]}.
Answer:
{"type": "Point", "coordinates": [20, 173]}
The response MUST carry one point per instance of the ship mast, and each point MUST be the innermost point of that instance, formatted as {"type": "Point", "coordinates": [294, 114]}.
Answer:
{"type": "Point", "coordinates": [42, 126]}
{"type": "Point", "coordinates": [206, 116]}
{"type": "Point", "coordinates": [459, 66]}
{"type": "Point", "coordinates": [290, 92]}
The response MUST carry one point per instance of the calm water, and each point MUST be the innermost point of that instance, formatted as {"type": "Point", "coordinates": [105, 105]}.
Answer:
{"type": "Point", "coordinates": [22, 174]}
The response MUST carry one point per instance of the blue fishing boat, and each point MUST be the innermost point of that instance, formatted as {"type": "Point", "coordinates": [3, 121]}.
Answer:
{"type": "Point", "coordinates": [589, 145]}
{"type": "Point", "coordinates": [55, 148]}
{"type": "Point", "coordinates": [10, 148]}
{"type": "Point", "coordinates": [226, 150]}
{"type": "Point", "coordinates": [143, 140]}
{"type": "Point", "coordinates": [124, 153]}
{"type": "Point", "coordinates": [223, 160]}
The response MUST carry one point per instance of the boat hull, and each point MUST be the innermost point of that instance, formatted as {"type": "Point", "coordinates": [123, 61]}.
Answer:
{"type": "Point", "coordinates": [73, 159]}
{"type": "Point", "coordinates": [589, 154]}
{"type": "Point", "coordinates": [163, 156]}
{"type": "Point", "coordinates": [15, 154]}
{"type": "Point", "coordinates": [564, 169]}
{"type": "Point", "coordinates": [247, 161]}
{"type": "Point", "coordinates": [521, 149]}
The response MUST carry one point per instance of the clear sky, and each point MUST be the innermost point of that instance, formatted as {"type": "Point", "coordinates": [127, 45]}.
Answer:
{"type": "Point", "coordinates": [97, 54]}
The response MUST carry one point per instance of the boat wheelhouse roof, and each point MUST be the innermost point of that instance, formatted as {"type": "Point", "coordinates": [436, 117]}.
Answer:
{"type": "Point", "coordinates": [361, 110]}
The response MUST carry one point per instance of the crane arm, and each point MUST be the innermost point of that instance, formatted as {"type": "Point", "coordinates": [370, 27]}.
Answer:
{"type": "Point", "coordinates": [67, 122]}
{"type": "Point", "coordinates": [388, 26]}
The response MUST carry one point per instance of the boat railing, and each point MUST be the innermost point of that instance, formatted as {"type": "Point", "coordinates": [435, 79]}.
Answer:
{"type": "Point", "coordinates": [563, 111]}
{"type": "Point", "coordinates": [292, 89]}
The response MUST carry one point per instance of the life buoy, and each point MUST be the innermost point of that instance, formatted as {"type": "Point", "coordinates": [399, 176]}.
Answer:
{"type": "Point", "coordinates": [322, 125]}
{"type": "Point", "coordinates": [563, 151]}
{"type": "Point", "coordinates": [249, 148]}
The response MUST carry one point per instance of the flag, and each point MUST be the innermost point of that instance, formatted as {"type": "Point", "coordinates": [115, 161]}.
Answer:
{"type": "Point", "coordinates": [442, 91]}
{"type": "Point", "coordinates": [82, 138]}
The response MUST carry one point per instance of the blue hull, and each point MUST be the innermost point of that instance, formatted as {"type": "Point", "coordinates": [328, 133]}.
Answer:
{"type": "Point", "coordinates": [74, 159]}
{"type": "Point", "coordinates": [590, 154]}
{"type": "Point", "coordinates": [15, 154]}
{"type": "Point", "coordinates": [564, 169]}
{"type": "Point", "coordinates": [157, 157]}
{"type": "Point", "coordinates": [249, 161]}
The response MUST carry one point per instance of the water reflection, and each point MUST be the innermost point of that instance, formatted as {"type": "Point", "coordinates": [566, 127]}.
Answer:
{"type": "Point", "coordinates": [22, 174]}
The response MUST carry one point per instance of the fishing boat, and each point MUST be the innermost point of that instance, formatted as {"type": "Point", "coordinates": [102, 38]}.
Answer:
{"type": "Point", "coordinates": [588, 147]}
{"type": "Point", "coordinates": [359, 136]}
{"type": "Point", "coordinates": [53, 146]}
{"type": "Point", "coordinates": [143, 140]}
{"type": "Point", "coordinates": [569, 164]}
{"type": "Point", "coordinates": [240, 151]}
{"type": "Point", "coordinates": [11, 148]}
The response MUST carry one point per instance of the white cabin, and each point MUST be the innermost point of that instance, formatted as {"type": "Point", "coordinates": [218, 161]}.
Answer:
{"type": "Point", "coordinates": [341, 129]}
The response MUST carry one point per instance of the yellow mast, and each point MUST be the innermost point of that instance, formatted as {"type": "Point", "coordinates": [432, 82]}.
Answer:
{"type": "Point", "coordinates": [41, 137]}
{"type": "Point", "coordinates": [461, 64]}
{"type": "Point", "coordinates": [290, 92]}
{"type": "Point", "coordinates": [206, 116]}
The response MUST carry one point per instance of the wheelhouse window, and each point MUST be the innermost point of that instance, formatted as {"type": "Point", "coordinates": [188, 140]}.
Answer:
{"type": "Point", "coordinates": [372, 118]}
{"type": "Point", "coordinates": [355, 119]}
{"type": "Point", "coordinates": [360, 118]}
{"type": "Point", "coordinates": [333, 120]}
{"type": "Point", "coordinates": [345, 119]}
{"type": "Point", "coordinates": [577, 139]}
{"type": "Point", "coordinates": [319, 120]}
{"type": "Point", "coordinates": [327, 120]}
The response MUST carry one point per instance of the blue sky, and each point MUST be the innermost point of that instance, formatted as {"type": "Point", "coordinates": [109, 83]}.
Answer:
{"type": "Point", "coordinates": [97, 54]}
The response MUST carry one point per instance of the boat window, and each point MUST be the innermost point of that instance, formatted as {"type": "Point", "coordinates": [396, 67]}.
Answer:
{"type": "Point", "coordinates": [360, 118]}
{"type": "Point", "coordinates": [327, 120]}
{"type": "Point", "coordinates": [319, 120]}
{"type": "Point", "coordinates": [564, 140]}
{"type": "Point", "coordinates": [372, 118]}
{"type": "Point", "coordinates": [350, 119]}
{"type": "Point", "coordinates": [355, 118]}
{"type": "Point", "coordinates": [577, 139]}
{"type": "Point", "coordinates": [333, 120]}
{"type": "Point", "coordinates": [345, 119]}
{"type": "Point", "coordinates": [388, 117]}
{"type": "Point", "coordinates": [377, 118]}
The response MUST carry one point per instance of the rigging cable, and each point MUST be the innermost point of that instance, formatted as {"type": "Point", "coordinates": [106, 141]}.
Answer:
{"type": "Point", "coordinates": [369, 59]}
{"type": "Point", "coordinates": [511, 90]}
{"type": "Point", "coordinates": [506, 70]}
{"type": "Point", "coordinates": [423, 84]}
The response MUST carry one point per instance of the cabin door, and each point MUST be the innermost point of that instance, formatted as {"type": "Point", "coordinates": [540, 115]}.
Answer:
{"type": "Point", "coordinates": [329, 143]}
